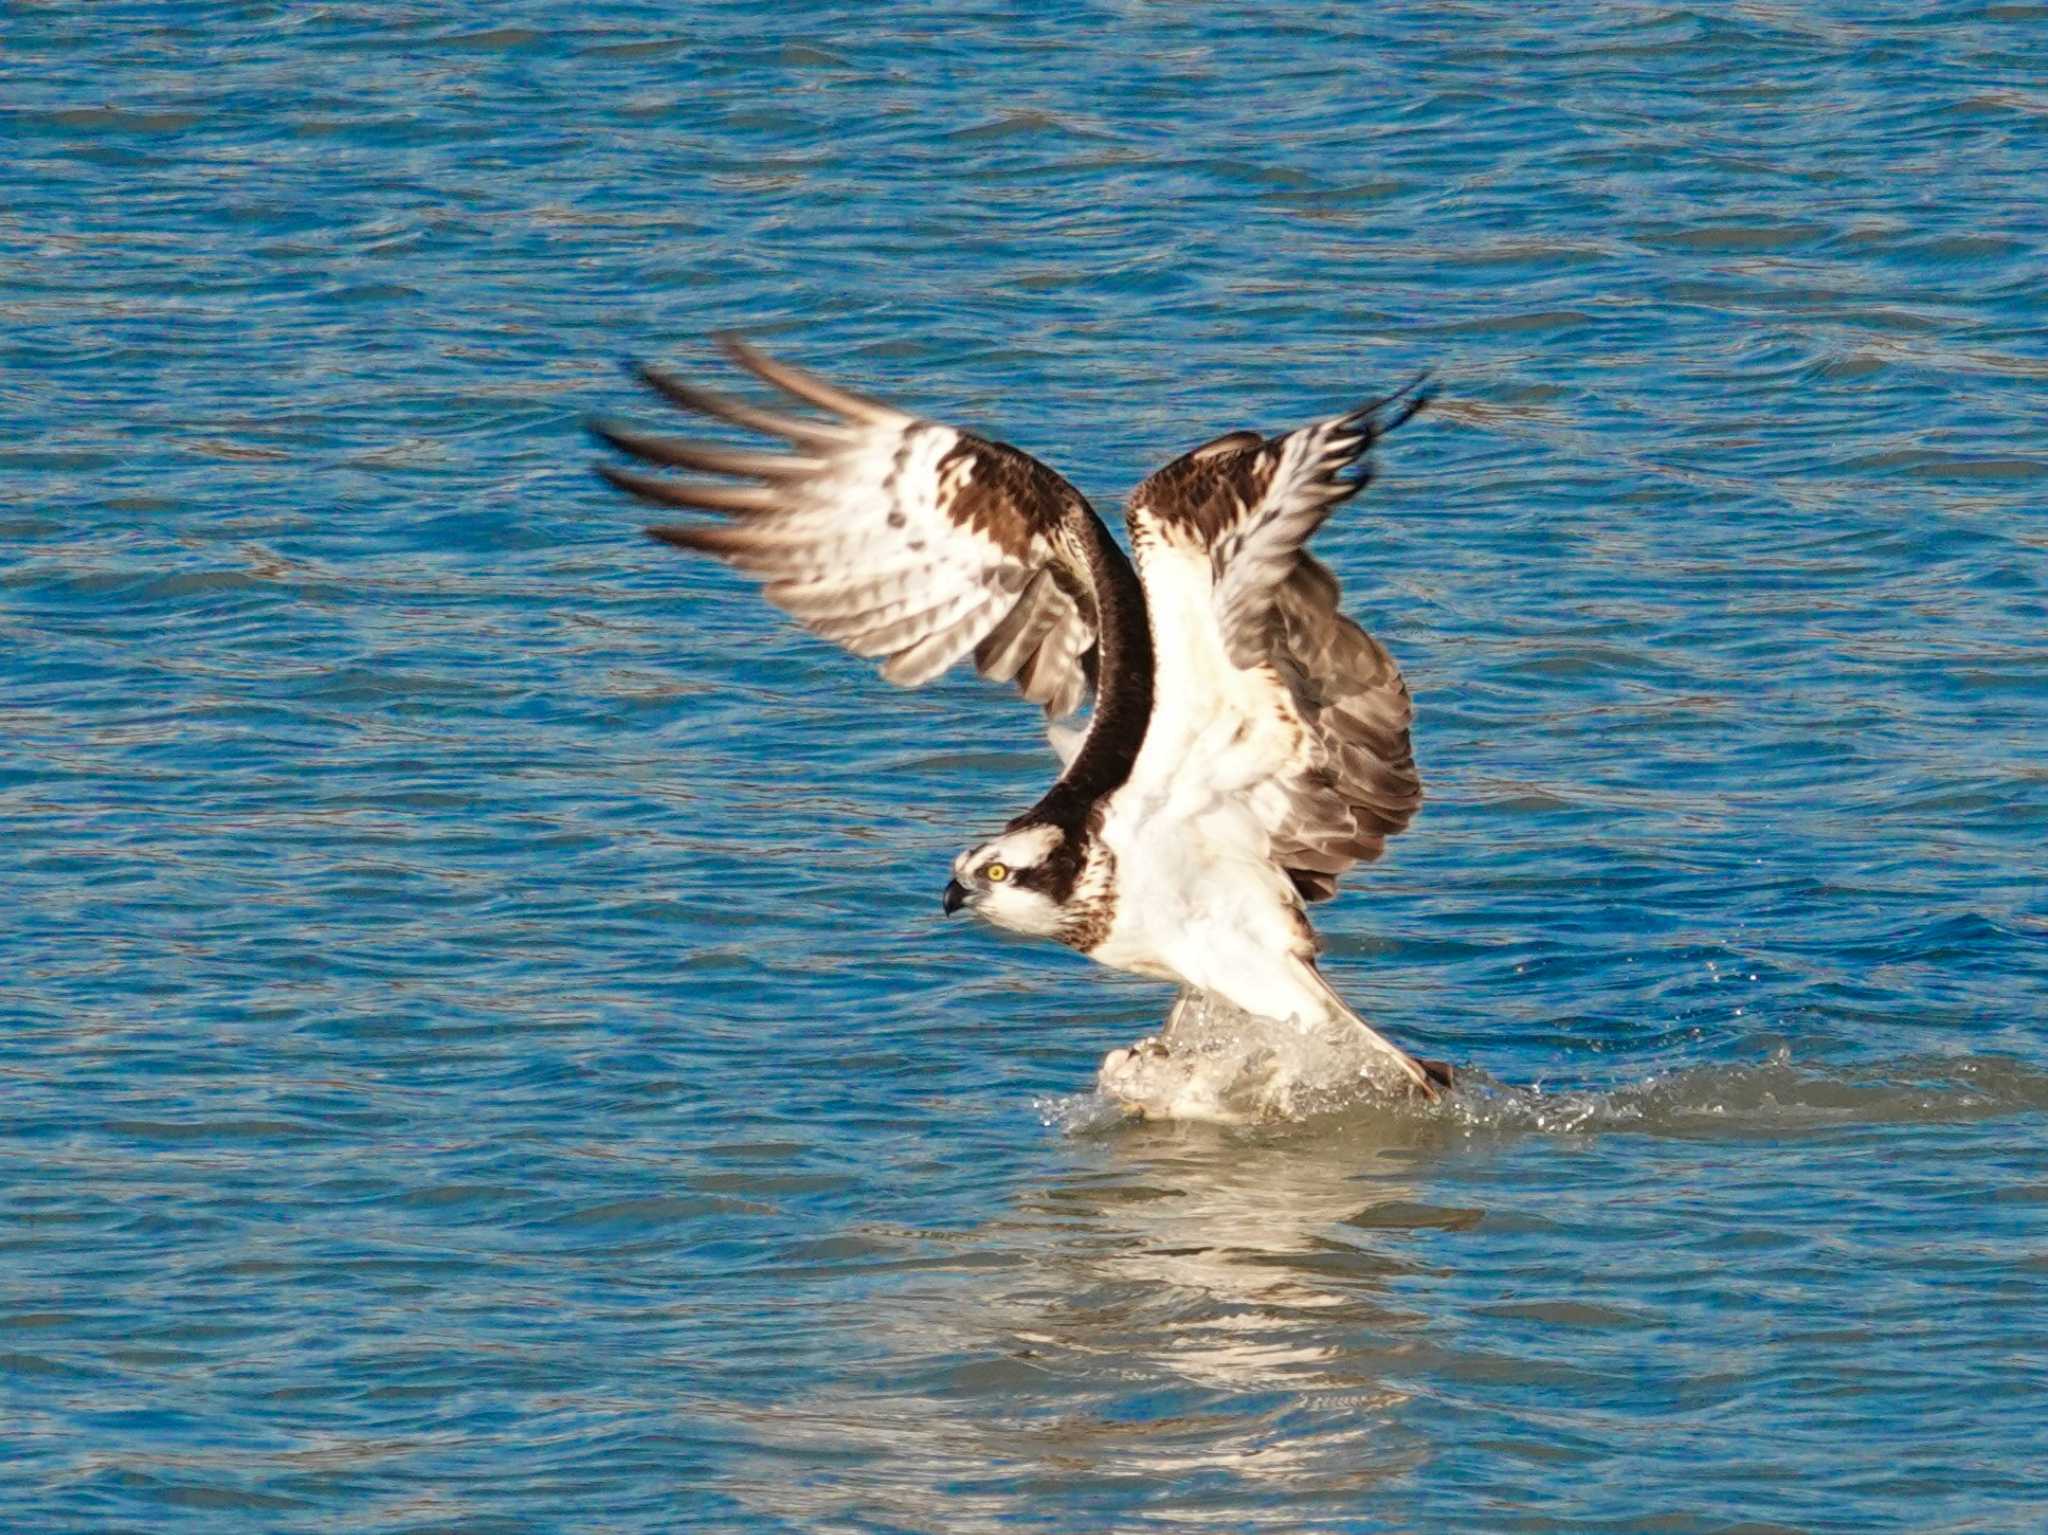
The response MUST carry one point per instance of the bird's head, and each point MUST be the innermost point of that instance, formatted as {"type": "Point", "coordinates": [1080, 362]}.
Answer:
{"type": "Point", "coordinates": [1011, 880]}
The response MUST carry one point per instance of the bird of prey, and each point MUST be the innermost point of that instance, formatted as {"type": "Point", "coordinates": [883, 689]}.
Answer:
{"type": "Point", "coordinates": [1247, 743]}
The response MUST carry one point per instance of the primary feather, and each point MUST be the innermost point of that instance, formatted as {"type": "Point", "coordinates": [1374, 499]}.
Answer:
{"type": "Point", "coordinates": [895, 537]}
{"type": "Point", "coordinates": [1248, 743]}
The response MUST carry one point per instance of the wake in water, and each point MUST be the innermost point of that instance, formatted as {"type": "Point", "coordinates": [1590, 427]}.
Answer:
{"type": "Point", "coordinates": [1214, 1064]}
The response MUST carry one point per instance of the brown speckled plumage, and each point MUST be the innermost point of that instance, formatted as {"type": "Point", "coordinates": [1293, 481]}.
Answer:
{"type": "Point", "coordinates": [1091, 905]}
{"type": "Point", "coordinates": [897, 538]}
{"type": "Point", "coordinates": [1286, 746]}
{"type": "Point", "coordinates": [1252, 503]}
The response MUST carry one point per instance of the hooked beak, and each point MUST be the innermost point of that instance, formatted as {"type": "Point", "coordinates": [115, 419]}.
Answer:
{"type": "Point", "coordinates": [955, 896]}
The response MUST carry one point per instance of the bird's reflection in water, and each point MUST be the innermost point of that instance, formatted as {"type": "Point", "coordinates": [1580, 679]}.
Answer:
{"type": "Point", "coordinates": [1224, 1314]}
{"type": "Point", "coordinates": [1241, 1260]}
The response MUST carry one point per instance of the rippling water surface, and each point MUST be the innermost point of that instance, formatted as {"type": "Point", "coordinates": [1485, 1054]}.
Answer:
{"type": "Point", "coordinates": [480, 1048]}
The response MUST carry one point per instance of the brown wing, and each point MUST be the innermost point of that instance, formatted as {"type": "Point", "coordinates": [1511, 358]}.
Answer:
{"type": "Point", "coordinates": [1360, 786]}
{"type": "Point", "coordinates": [1347, 781]}
{"type": "Point", "coordinates": [891, 536]}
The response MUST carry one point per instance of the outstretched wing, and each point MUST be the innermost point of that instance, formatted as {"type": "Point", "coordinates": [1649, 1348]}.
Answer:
{"type": "Point", "coordinates": [1336, 777]}
{"type": "Point", "coordinates": [892, 536]}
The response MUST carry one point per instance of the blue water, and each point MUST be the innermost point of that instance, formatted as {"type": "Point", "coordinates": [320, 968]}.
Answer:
{"type": "Point", "coordinates": [480, 1049]}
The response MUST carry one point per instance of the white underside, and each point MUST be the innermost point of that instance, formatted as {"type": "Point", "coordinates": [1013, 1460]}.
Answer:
{"type": "Point", "coordinates": [1199, 899]}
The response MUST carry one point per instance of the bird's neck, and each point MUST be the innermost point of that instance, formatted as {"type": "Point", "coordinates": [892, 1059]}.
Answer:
{"type": "Point", "coordinates": [1123, 687]}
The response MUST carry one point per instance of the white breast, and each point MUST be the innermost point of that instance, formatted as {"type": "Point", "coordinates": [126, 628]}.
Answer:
{"type": "Point", "coordinates": [1198, 898]}
{"type": "Point", "coordinates": [1215, 730]}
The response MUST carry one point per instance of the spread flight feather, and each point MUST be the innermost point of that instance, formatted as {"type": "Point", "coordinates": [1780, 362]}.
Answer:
{"type": "Point", "coordinates": [1247, 744]}
{"type": "Point", "coordinates": [892, 536]}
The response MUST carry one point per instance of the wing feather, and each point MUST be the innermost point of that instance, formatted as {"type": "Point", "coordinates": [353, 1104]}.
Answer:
{"type": "Point", "coordinates": [1005, 648]}
{"type": "Point", "coordinates": [691, 495]}
{"type": "Point", "coordinates": [919, 662]}
{"type": "Point", "coordinates": [1343, 779]}
{"type": "Point", "coordinates": [702, 402]}
{"type": "Point", "coordinates": [895, 537]}
{"type": "Point", "coordinates": [897, 636]}
{"type": "Point", "coordinates": [708, 457]}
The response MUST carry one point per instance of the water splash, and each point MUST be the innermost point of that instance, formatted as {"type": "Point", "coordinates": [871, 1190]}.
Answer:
{"type": "Point", "coordinates": [1776, 1096]}
{"type": "Point", "coordinates": [1217, 1063]}
{"type": "Point", "coordinates": [1214, 1064]}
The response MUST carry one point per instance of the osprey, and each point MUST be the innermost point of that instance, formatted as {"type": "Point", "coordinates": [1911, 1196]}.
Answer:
{"type": "Point", "coordinates": [1248, 743]}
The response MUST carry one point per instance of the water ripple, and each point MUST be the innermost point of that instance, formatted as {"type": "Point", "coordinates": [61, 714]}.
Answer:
{"type": "Point", "coordinates": [481, 1049]}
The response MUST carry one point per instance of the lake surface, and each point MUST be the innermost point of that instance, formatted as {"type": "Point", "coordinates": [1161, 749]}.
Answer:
{"type": "Point", "coordinates": [480, 1048]}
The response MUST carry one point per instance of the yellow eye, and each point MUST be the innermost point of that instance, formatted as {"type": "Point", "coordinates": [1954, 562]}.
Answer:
{"type": "Point", "coordinates": [996, 873]}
